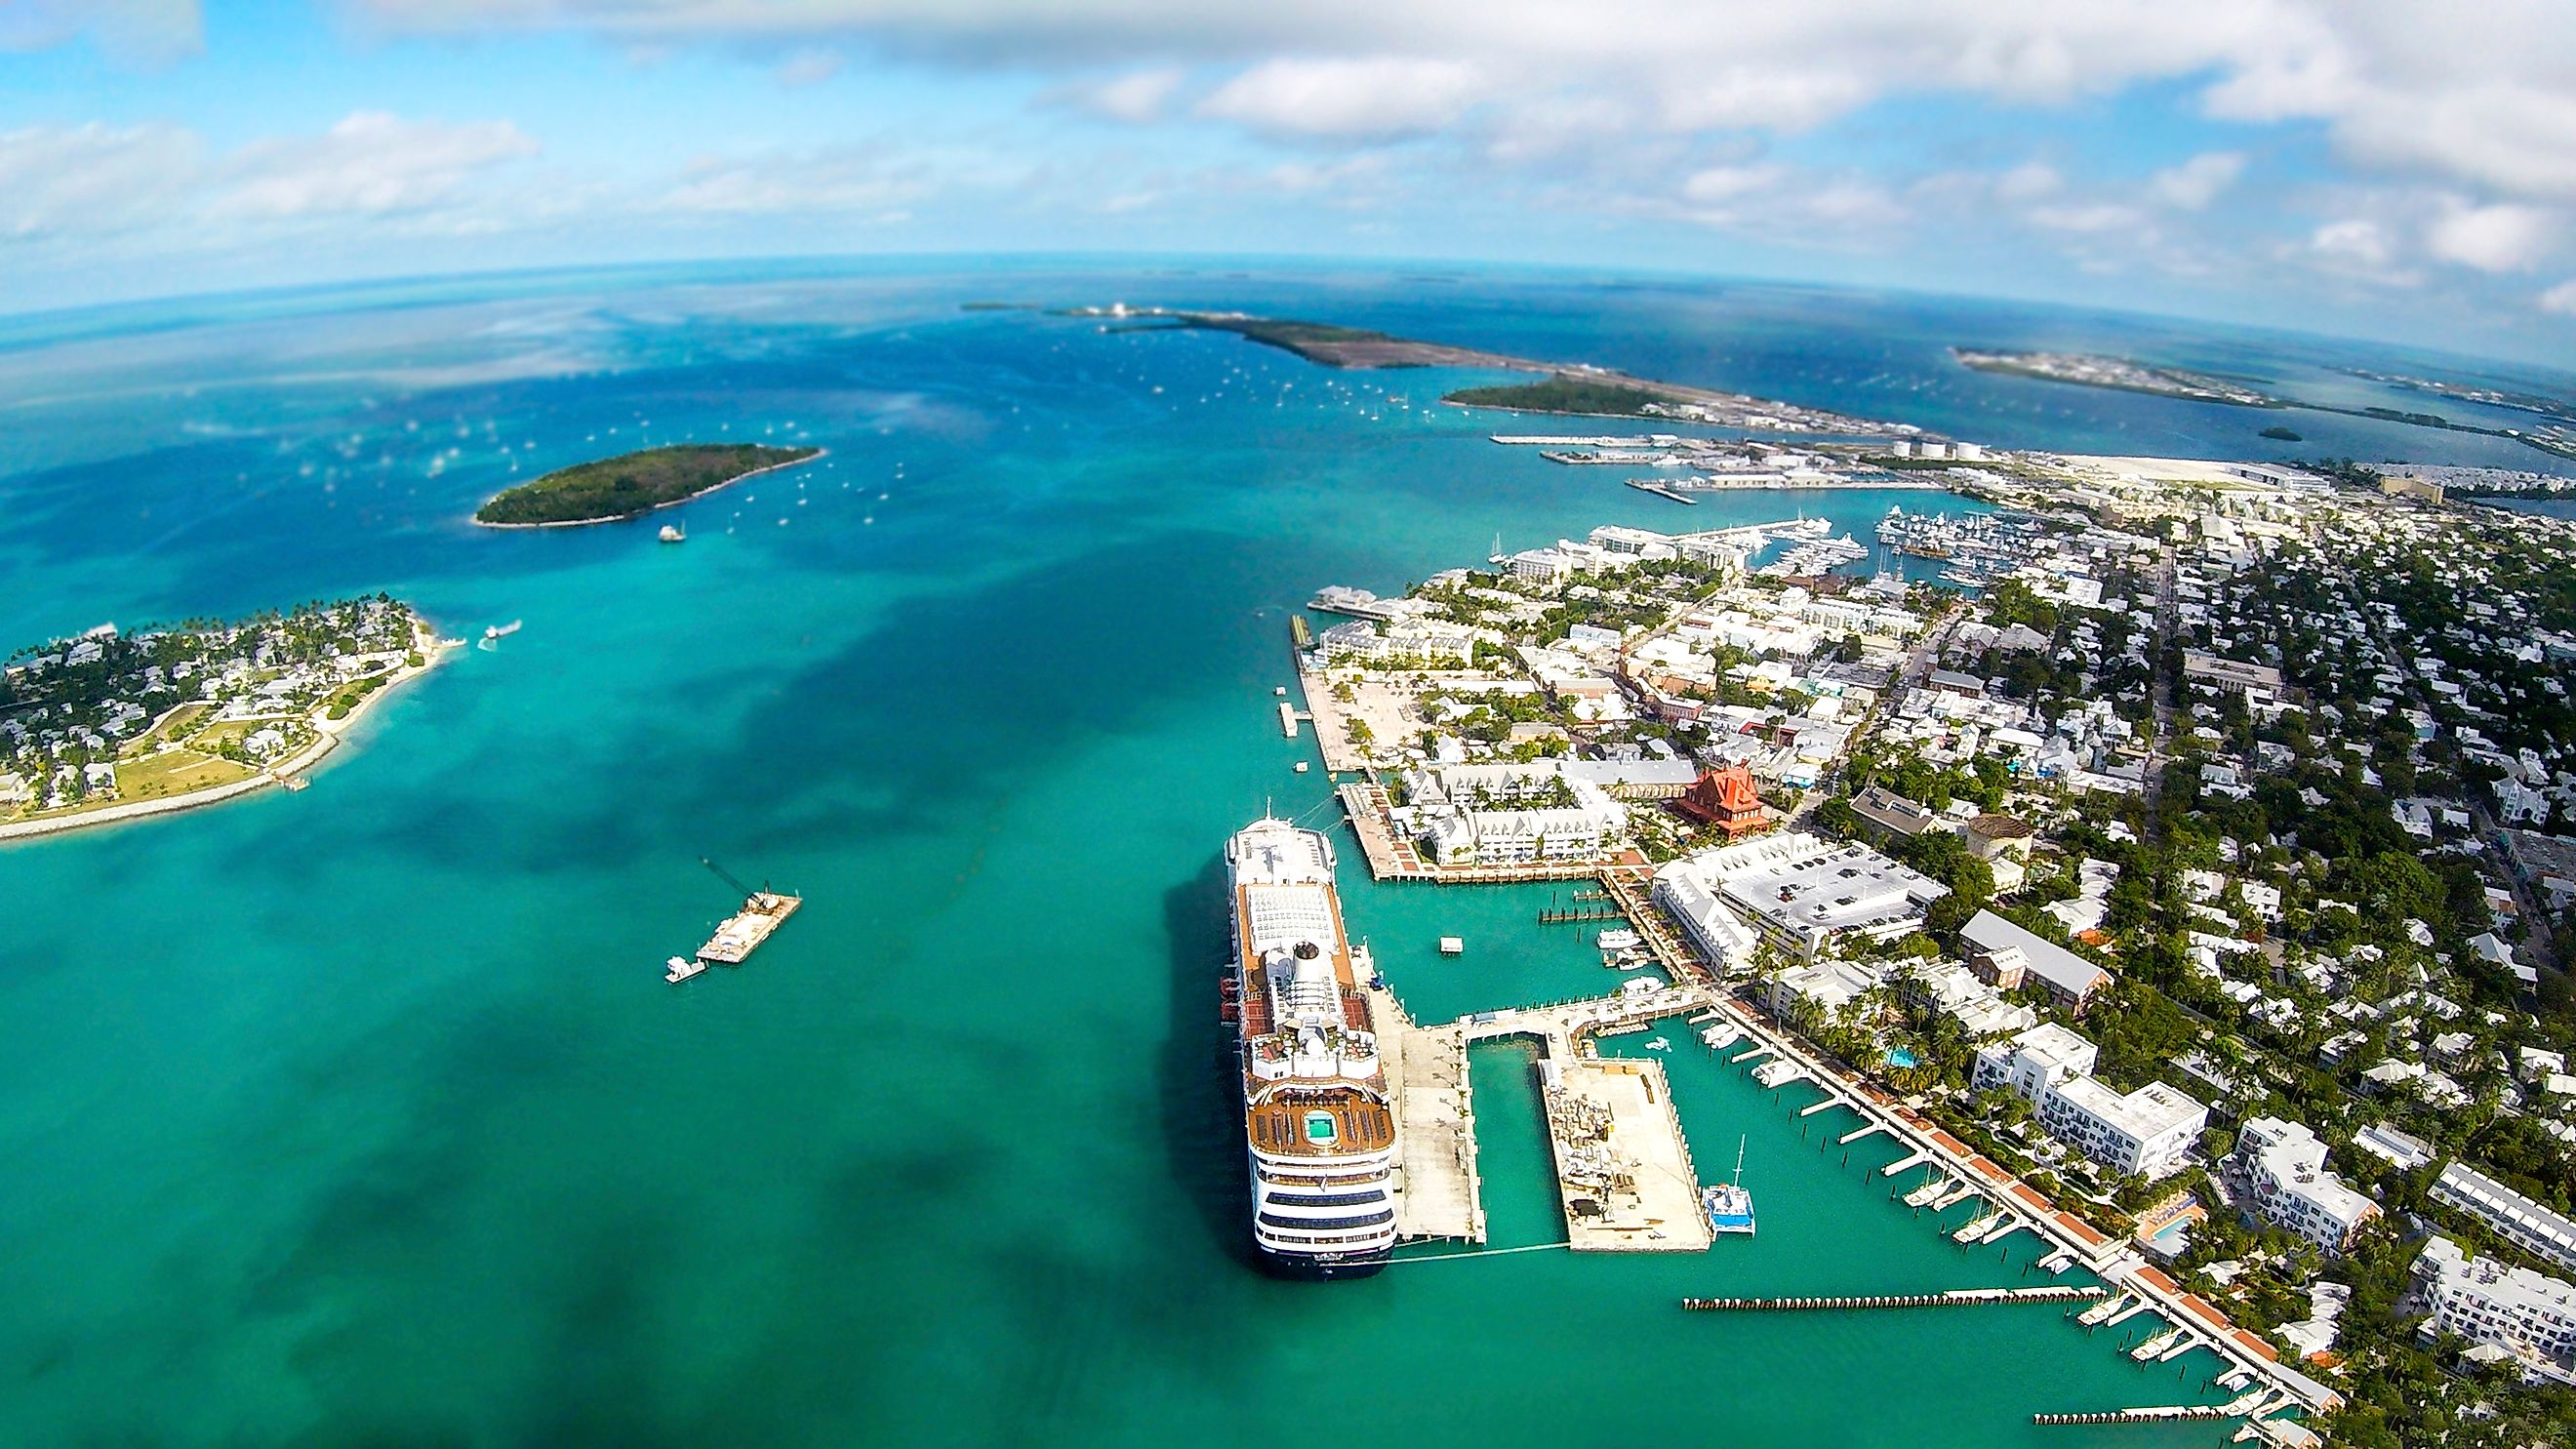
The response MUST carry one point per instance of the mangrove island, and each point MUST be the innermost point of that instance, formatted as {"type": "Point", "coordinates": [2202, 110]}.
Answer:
{"type": "Point", "coordinates": [633, 483]}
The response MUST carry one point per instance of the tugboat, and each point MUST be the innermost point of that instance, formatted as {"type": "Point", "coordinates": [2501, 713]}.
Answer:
{"type": "Point", "coordinates": [681, 969]}
{"type": "Point", "coordinates": [1729, 1206]}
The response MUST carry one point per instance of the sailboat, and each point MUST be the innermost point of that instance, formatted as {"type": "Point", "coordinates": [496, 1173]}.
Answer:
{"type": "Point", "coordinates": [1729, 1206]}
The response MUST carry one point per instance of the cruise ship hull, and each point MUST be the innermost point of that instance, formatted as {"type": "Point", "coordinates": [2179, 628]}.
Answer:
{"type": "Point", "coordinates": [1304, 1269]}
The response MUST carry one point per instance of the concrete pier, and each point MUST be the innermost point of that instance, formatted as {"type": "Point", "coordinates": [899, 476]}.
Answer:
{"type": "Point", "coordinates": [1623, 1170]}
{"type": "Point", "coordinates": [1913, 1159]}
{"type": "Point", "coordinates": [1826, 1105]}
{"type": "Point", "coordinates": [1865, 1129]}
{"type": "Point", "coordinates": [2060, 1229]}
{"type": "Point", "coordinates": [1439, 1192]}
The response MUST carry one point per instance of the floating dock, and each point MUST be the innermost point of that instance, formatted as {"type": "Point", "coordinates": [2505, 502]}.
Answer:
{"type": "Point", "coordinates": [742, 933]}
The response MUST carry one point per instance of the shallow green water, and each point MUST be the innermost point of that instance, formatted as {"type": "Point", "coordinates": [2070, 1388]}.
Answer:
{"type": "Point", "coordinates": [364, 1115]}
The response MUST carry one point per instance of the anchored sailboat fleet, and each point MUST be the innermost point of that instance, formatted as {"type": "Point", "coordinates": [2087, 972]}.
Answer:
{"type": "Point", "coordinates": [1318, 1127]}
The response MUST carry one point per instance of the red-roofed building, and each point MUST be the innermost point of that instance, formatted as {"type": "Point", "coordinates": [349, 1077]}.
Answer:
{"type": "Point", "coordinates": [1726, 799]}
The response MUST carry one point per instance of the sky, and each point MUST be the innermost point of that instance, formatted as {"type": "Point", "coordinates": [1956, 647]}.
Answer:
{"type": "Point", "coordinates": [2375, 168]}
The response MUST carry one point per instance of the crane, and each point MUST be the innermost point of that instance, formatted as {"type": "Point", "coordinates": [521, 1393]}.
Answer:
{"type": "Point", "coordinates": [727, 877]}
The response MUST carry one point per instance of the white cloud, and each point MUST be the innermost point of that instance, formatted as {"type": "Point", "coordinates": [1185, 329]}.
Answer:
{"type": "Point", "coordinates": [2358, 249]}
{"type": "Point", "coordinates": [370, 163]}
{"type": "Point", "coordinates": [149, 32]}
{"type": "Point", "coordinates": [2088, 217]}
{"type": "Point", "coordinates": [808, 67]}
{"type": "Point", "coordinates": [2029, 181]}
{"type": "Point", "coordinates": [1372, 98]}
{"type": "Point", "coordinates": [2194, 184]}
{"type": "Point", "coordinates": [93, 179]}
{"type": "Point", "coordinates": [872, 181]}
{"type": "Point", "coordinates": [1136, 97]}
{"type": "Point", "coordinates": [2475, 96]}
{"type": "Point", "coordinates": [1718, 185]}
{"type": "Point", "coordinates": [2560, 299]}
{"type": "Point", "coordinates": [2499, 238]}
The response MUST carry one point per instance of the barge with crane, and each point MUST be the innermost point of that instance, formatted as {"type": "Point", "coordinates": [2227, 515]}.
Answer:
{"type": "Point", "coordinates": [738, 935]}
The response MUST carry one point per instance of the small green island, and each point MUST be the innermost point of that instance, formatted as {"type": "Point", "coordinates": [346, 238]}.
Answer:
{"type": "Point", "coordinates": [1563, 394]}
{"type": "Point", "coordinates": [632, 484]}
{"type": "Point", "coordinates": [2284, 435]}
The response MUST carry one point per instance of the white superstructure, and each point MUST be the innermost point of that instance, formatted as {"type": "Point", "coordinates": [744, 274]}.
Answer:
{"type": "Point", "coordinates": [2519, 1220]}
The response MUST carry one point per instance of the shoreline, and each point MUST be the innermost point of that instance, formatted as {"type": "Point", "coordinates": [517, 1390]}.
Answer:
{"type": "Point", "coordinates": [658, 507]}
{"type": "Point", "coordinates": [328, 736]}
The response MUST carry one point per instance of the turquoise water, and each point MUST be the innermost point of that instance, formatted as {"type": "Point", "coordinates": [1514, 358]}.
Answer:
{"type": "Point", "coordinates": [364, 1113]}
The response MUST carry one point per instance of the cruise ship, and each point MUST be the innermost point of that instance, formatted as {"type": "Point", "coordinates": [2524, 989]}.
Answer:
{"type": "Point", "coordinates": [1317, 1124]}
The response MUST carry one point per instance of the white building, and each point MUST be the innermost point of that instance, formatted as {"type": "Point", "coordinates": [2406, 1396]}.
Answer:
{"type": "Point", "coordinates": [2147, 1132]}
{"type": "Point", "coordinates": [2530, 1316]}
{"type": "Point", "coordinates": [2279, 1170]}
{"type": "Point", "coordinates": [1802, 891]}
{"type": "Point", "coordinates": [1694, 904]}
{"type": "Point", "coordinates": [1436, 641]}
{"type": "Point", "coordinates": [2515, 1218]}
{"type": "Point", "coordinates": [1513, 814]}
{"type": "Point", "coordinates": [1981, 1011]}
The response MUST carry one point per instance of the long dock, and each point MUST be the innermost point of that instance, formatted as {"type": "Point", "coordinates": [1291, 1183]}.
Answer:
{"type": "Point", "coordinates": [1439, 1192]}
{"type": "Point", "coordinates": [1955, 1298]}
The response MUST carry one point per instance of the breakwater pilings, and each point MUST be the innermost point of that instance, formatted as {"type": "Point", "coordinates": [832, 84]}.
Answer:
{"type": "Point", "coordinates": [1956, 1298]}
{"type": "Point", "coordinates": [2159, 1415]}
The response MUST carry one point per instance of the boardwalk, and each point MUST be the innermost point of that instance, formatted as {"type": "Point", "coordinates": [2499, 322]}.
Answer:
{"type": "Point", "coordinates": [1390, 855]}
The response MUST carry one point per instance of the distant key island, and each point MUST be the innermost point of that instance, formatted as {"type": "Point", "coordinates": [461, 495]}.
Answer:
{"type": "Point", "coordinates": [2119, 373]}
{"type": "Point", "coordinates": [114, 726]}
{"type": "Point", "coordinates": [2555, 436]}
{"type": "Point", "coordinates": [1574, 389]}
{"type": "Point", "coordinates": [632, 484]}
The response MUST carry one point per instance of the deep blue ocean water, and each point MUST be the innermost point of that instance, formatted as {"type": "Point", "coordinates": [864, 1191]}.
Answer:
{"type": "Point", "coordinates": [363, 1114]}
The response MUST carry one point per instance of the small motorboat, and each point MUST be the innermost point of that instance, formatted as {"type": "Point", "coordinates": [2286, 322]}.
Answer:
{"type": "Point", "coordinates": [682, 968]}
